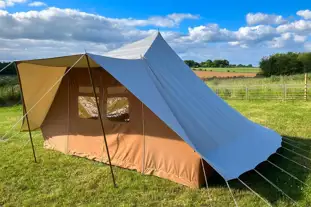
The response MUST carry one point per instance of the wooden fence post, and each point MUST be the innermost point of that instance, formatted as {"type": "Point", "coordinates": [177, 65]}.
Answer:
{"type": "Point", "coordinates": [246, 93]}
{"type": "Point", "coordinates": [284, 91]}
{"type": "Point", "coordinates": [306, 87]}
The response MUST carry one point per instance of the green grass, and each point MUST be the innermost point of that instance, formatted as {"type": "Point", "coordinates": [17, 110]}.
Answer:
{"type": "Point", "coordinates": [237, 70]}
{"type": "Point", "coordinates": [63, 180]}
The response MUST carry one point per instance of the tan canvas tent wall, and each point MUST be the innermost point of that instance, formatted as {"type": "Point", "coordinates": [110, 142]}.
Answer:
{"type": "Point", "coordinates": [144, 143]}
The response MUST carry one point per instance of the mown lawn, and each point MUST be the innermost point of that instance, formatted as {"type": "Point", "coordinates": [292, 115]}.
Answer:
{"type": "Point", "coordinates": [61, 180]}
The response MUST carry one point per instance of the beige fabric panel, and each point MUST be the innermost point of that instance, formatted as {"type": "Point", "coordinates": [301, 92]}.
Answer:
{"type": "Point", "coordinates": [36, 81]}
{"type": "Point", "coordinates": [65, 61]}
{"type": "Point", "coordinates": [86, 138]}
{"type": "Point", "coordinates": [165, 154]}
{"type": "Point", "coordinates": [55, 127]}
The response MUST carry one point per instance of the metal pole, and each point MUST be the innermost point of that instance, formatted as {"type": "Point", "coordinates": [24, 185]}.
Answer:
{"type": "Point", "coordinates": [100, 118]}
{"type": "Point", "coordinates": [25, 112]}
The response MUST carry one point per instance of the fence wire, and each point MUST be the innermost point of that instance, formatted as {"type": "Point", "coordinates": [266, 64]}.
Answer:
{"type": "Point", "coordinates": [233, 92]}
{"type": "Point", "coordinates": [263, 92]}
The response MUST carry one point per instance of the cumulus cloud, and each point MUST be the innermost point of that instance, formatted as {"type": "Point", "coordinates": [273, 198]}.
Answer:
{"type": "Point", "coordinates": [300, 26]}
{"type": "Point", "coordinates": [304, 13]}
{"type": "Point", "coordinates": [37, 4]}
{"type": "Point", "coordinates": [54, 31]}
{"type": "Point", "coordinates": [8, 3]}
{"type": "Point", "coordinates": [261, 18]}
{"type": "Point", "coordinates": [242, 37]}
{"type": "Point", "coordinates": [79, 26]}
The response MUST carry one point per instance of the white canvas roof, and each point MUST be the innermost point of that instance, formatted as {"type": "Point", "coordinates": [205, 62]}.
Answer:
{"type": "Point", "coordinates": [153, 72]}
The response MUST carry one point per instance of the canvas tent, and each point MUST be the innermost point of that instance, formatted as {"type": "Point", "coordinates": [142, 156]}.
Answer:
{"type": "Point", "coordinates": [170, 119]}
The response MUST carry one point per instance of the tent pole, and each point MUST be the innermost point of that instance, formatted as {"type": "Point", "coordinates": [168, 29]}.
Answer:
{"type": "Point", "coordinates": [144, 138]}
{"type": "Point", "coordinates": [203, 168]}
{"type": "Point", "coordinates": [100, 118]}
{"type": "Point", "coordinates": [25, 112]}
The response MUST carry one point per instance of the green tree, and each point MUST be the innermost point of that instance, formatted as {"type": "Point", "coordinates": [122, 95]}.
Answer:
{"type": "Point", "coordinates": [192, 63]}
{"type": "Point", "coordinates": [305, 58]}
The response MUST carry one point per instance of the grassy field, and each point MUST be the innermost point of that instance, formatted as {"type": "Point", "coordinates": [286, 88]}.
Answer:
{"type": "Point", "coordinates": [239, 70]}
{"type": "Point", "coordinates": [292, 79]}
{"type": "Point", "coordinates": [62, 180]}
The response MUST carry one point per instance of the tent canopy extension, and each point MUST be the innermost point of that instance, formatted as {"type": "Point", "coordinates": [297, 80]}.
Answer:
{"type": "Point", "coordinates": [175, 119]}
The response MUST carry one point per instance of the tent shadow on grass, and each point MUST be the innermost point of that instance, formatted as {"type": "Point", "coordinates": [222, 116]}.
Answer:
{"type": "Point", "coordinates": [292, 187]}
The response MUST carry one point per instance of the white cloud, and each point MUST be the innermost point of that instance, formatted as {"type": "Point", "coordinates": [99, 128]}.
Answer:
{"type": "Point", "coordinates": [261, 18]}
{"type": "Point", "coordinates": [243, 36]}
{"type": "Point", "coordinates": [287, 40]}
{"type": "Point", "coordinates": [304, 13]}
{"type": "Point", "coordinates": [300, 26]}
{"type": "Point", "coordinates": [79, 26]}
{"type": "Point", "coordinates": [37, 4]}
{"type": "Point", "coordinates": [300, 38]}
{"type": "Point", "coordinates": [10, 3]}
{"type": "Point", "coordinates": [54, 31]}
{"type": "Point", "coordinates": [257, 33]}
{"type": "Point", "coordinates": [234, 43]}
{"type": "Point", "coordinates": [2, 4]}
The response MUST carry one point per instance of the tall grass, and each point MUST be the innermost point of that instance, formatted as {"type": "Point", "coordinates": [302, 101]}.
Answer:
{"type": "Point", "coordinates": [9, 90]}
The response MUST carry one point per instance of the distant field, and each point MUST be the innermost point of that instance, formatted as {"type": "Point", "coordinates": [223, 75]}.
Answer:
{"type": "Point", "coordinates": [218, 74]}
{"type": "Point", "coordinates": [292, 79]}
{"type": "Point", "coordinates": [235, 70]}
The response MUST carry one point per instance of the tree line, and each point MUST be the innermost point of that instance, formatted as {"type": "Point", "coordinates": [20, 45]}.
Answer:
{"type": "Point", "coordinates": [286, 63]}
{"type": "Point", "coordinates": [215, 64]}
{"type": "Point", "coordinates": [8, 71]}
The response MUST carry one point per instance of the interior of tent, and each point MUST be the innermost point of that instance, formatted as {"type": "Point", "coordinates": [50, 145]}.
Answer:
{"type": "Point", "coordinates": [159, 118]}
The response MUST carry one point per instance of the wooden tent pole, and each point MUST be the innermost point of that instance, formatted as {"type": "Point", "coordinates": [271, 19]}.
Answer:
{"type": "Point", "coordinates": [25, 112]}
{"type": "Point", "coordinates": [100, 118]}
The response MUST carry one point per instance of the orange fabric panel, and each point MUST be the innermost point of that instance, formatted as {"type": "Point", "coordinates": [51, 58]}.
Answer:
{"type": "Point", "coordinates": [36, 81]}
{"type": "Point", "coordinates": [167, 153]}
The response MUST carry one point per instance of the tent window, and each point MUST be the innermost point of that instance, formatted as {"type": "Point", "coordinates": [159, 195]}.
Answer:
{"type": "Point", "coordinates": [87, 107]}
{"type": "Point", "coordinates": [86, 103]}
{"type": "Point", "coordinates": [118, 109]}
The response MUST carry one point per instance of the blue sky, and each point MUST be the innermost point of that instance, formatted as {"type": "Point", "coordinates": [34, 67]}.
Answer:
{"type": "Point", "coordinates": [239, 31]}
